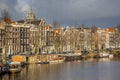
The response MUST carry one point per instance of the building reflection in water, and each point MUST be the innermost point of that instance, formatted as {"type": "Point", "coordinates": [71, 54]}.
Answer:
{"type": "Point", "coordinates": [83, 70]}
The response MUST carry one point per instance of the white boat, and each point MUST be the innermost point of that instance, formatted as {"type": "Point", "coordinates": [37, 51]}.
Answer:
{"type": "Point", "coordinates": [103, 55]}
{"type": "Point", "coordinates": [15, 67]}
{"type": "Point", "coordinates": [58, 60]}
{"type": "Point", "coordinates": [111, 56]}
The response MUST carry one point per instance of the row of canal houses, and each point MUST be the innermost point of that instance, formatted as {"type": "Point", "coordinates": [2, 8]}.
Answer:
{"type": "Point", "coordinates": [90, 38]}
{"type": "Point", "coordinates": [35, 36]}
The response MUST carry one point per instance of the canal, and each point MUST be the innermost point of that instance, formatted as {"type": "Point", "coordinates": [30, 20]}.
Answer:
{"type": "Point", "coordinates": [92, 69]}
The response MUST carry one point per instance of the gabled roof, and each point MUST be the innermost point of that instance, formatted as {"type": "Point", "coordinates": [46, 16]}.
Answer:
{"type": "Point", "coordinates": [47, 27]}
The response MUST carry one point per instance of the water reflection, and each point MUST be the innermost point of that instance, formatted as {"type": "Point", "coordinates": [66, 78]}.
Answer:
{"type": "Point", "coordinates": [102, 69]}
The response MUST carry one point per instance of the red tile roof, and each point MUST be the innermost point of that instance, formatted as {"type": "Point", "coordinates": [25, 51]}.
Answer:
{"type": "Point", "coordinates": [7, 20]}
{"type": "Point", "coordinates": [110, 29]}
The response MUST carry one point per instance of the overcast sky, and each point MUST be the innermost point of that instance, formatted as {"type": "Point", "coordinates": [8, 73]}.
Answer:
{"type": "Point", "coordinates": [103, 13]}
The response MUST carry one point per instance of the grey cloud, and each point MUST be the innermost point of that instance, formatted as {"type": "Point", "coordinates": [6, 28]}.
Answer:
{"type": "Point", "coordinates": [70, 12]}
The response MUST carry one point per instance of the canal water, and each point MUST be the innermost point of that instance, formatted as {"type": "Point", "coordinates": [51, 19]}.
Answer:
{"type": "Point", "coordinates": [92, 69]}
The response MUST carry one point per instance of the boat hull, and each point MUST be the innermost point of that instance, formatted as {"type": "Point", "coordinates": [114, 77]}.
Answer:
{"type": "Point", "coordinates": [42, 62]}
{"type": "Point", "coordinates": [14, 70]}
{"type": "Point", "coordinates": [58, 60]}
{"type": "Point", "coordinates": [3, 70]}
{"type": "Point", "coordinates": [15, 67]}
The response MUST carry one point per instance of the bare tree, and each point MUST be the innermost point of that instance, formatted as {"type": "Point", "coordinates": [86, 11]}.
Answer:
{"type": "Point", "coordinates": [118, 27]}
{"type": "Point", "coordinates": [117, 36]}
{"type": "Point", "coordinates": [56, 24]}
{"type": "Point", "coordinates": [57, 41]}
{"type": "Point", "coordinates": [5, 14]}
{"type": "Point", "coordinates": [94, 37]}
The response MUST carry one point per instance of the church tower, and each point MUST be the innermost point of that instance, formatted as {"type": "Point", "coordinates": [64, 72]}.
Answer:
{"type": "Point", "coordinates": [30, 16]}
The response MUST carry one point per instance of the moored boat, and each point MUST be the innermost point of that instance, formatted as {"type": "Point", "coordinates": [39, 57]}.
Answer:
{"type": "Point", "coordinates": [111, 56]}
{"type": "Point", "coordinates": [3, 69]}
{"type": "Point", "coordinates": [15, 67]}
{"type": "Point", "coordinates": [58, 60]}
{"type": "Point", "coordinates": [104, 55]}
{"type": "Point", "coordinates": [42, 62]}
